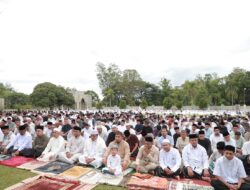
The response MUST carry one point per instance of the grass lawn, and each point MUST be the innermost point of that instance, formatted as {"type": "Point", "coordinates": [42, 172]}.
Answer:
{"type": "Point", "coordinates": [11, 176]}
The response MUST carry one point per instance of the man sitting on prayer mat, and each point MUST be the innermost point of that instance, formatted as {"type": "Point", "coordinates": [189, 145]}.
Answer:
{"type": "Point", "coordinates": [215, 138]}
{"type": "Point", "coordinates": [74, 147]}
{"type": "Point", "coordinates": [55, 146]}
{"type": "Point", "coordinates": [94, 149]}
{"type": "Point", "coordinates": [170, 161]}
{"type": "Point", "coordinates": [39, 144]}
{"type": "Point", "coordinates": [203, 141]}
{"type": "Point", "coordinates": [148, 157]}
{"type": "Point", "coordinates": [216, 155]}
{"type": "Point", "coordinates": [123, 150]}
{"type": "Point", "coordinates": [229, 172]}
{"type": "Point", "coordinates": [195, 160]}
{"type": "Point", "coordinates": [7, 138]}
{"type": "Point", "coordinates": [21, 143]}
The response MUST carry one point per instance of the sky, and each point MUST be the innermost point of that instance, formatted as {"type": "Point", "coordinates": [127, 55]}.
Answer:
{"type": "Point", "coordinates": [60, 41]}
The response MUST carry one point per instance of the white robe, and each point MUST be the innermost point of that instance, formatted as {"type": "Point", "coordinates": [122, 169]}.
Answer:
{"type": "Point", "coordinates": [53, 148]}
{"type": "Point", "coordinates": [93, 149]}
{"type": "Point", "coordinates": [74, 146]}
{"type": "Point", "coordinates": [114, 162]}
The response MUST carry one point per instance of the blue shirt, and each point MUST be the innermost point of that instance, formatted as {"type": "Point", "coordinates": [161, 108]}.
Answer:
{"type": "Point", "coordinates": [160, 139]}
{"type": "Point", "coordinates": [208, 133]}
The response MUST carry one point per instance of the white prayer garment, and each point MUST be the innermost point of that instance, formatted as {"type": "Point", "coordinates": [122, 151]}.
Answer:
{"type": "Point", "coordinates": [231, 142]}
{"type": "Point", "coordinates": [230, 170]}
{"type": "Point", "coordinates": [93, 149]}
{"type": "Point", "coordinates": [21, 142]}
{"type": "Point", "coordinates": [1, 135]}
{"type": "Point", "coordinates": [75, 147]}
{"type": "Point", "coordinates": [196, 158]}
{"type": "Point", "coordinates": [246, 148]}
{"type": "Point", "coordinates": [114, 162]}
{"type": "Point", "coordinates": [214, 140]}
{"type": "Point", "coordinates": [7, 139]}
{"type": "Point", "coordinates": [171, 159]}
{"type": "Point", "coordinates": [54, 147]}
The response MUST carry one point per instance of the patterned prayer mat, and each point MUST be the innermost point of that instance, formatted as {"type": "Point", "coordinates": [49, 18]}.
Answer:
{"type": "Point", "coordinates": [111, 179]}
{"type": "Point", "coordinates": [147, 183]}
{"type": "Point", "coordinates": [15, 161]}
{"type": "Point", "coordinates": [189, 184]}
{"type": "Point", "coordinates": [32, 165]}
{"type": "Point", "coordinates": [55, 167]}
{"type": "Point", "coordinates": [93, 177]}
{"type": "Point", "coordinates": [4, 157]}
{"type": "Point", "coordinates": [51, 183]}
{"type": "Point", "coordinates": [75, 172]}
{"type": "Point", "coordinates": [85, 187]}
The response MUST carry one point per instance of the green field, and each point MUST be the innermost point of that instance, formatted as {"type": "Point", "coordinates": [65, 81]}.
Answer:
{"type": "Point", "coordinates": [10, 176]}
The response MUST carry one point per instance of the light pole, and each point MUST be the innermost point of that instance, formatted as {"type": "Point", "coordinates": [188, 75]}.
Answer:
{"type": "Point", "coordinates": [245, 96]}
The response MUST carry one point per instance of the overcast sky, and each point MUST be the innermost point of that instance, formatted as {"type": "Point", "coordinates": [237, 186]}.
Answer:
{"type": "Point", "coordinates": [61, 41]}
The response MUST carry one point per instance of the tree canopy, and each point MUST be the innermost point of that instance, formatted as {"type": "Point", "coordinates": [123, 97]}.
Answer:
{"type": "Point", "coordinates": [202, 91]}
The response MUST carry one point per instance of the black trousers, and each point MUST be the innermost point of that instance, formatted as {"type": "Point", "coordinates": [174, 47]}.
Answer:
{"type": "Point", "coordinates": [196, 175]}
{"type": "Point", "coordinates": [27, 152]}
{"type": "Point", "coordinates": [218, 185]}
{"type": "Point", "coordinates": [33, 153]}
{"type": "Point", "coordinates": [160, 172]}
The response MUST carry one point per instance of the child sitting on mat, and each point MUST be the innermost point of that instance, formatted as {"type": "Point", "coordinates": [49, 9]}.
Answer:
{"type": "Point", "coordinates": [113, 163]}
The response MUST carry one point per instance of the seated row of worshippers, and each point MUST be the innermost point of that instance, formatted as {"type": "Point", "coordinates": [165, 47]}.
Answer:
{"type": "Point", "coordinates": [191, 162]}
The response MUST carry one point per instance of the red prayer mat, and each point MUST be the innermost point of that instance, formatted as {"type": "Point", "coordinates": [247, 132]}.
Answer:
{"type": "Point", "coordinates": [15, 161]}
{"type": "Point", "coordinates": [139, 183]}
{"type": "Point", "coordinates": [50, 183]}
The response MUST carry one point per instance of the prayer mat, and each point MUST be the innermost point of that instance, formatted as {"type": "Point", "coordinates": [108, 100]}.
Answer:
{"type": "Point", "coordinates": [111, 179]}
{"type": "Point", "coordinates": [156, 183]}
{"type": "Point", "coordinates": [125, 180]}
{"type": "Point", "coordinates": [52, 183]}
{"type": "Point", "coordinates": [4, 157]}
{"type": "Point", "coordinates": [16, 161]}
{"type": "Point", "coordinates": [55, 167]}
{"type": "Point", "coordinates": [85, 187]}
{"type": "Point", "coordinates": [127, 171]}
{"type": "Point", "coordinates": [189, 184]}
{"type": "Point", "coordinates": [75, 172]}
{"type": "Point", "coordinates": [32, 165]}
{"type": "Point", "coordinates": [93, 177]}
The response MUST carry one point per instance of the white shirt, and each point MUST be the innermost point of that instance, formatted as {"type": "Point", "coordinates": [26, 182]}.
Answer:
{"type": "Point", "coordinates": [246, 148]}
{"type": "Point", "coordinates": [21, 142]}
{"type": "Point", "coordinates": [114, 162]}
{"type": "Point", "coordinates": [171, 159]}
{"type": "Point", "coordinates": [87, 131]}
{"type": "Point", "coordinates": [230, 170]}
{"type": "Point", "coordinates": [8, 138]}
{"type": "Point", "coordinates": [94, 149]}
{"type": "Point", "coordinates": [214, 140]}
{"type": "Point", "coordinates": [1, 135]}
{"type": "Point", "coordinates": [55, 145]}
{"type": "Point", "coordinates": [47, 132]}
{"type": "Point", "coordinates": [121, 128]}
{"type": "Point", "coordinates": [196, 158]}
{"type": "Point", "coordinates": [75, 145]}
{"type": "Point", "coordinates": [232, 142]}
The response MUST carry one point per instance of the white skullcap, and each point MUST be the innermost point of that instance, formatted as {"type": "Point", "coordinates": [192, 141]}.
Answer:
{"type": "Point", "coordinates": [165, 141]}
{"type": "Point", "coordinates": [114, 126]}
{"type": "Point", "coordinates": [56, 130]}
{"type": "Point", "coordinates": [94, 132]}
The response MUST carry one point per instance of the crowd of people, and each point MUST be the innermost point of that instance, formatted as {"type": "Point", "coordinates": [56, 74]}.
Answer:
{"type": "Point", "coordinates": [214, 148]}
